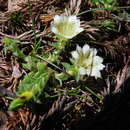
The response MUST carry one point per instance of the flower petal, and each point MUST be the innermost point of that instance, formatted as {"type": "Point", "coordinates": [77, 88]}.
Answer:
{"type": "Point", "coordinates": [79, 49]}
{"type": "Point", "coordinates": [79, 30]}
{"type": "Point", "coordinates": [96, 73]}
{"type": "Point", "coordinates": [82, 71]}
{"type": "Point", "coordinates": [93, 52]}
{"type": "Point", "coordinates": [57, 19]}
{"type": "Point", "coordinates": [73, 19]}
{"type": "Point", "coordinates": [97, 59]}
{"type": "Point", "coordinates": [75, 55]}
{"type": "Point", "coordinates": [85, 49]}
{"type": "Point", "coordinates": [54, 29]}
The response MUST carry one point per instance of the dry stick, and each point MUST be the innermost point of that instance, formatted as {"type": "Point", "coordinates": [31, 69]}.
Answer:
{"type": "Point", "coordinates": [9, 36]}
{"type": "Point", "coordinates": [33, 21]}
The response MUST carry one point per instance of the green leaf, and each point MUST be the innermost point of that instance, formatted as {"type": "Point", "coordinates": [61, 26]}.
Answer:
{"type": "Point", "coordinates": [10, 45]}
{"type": "Point", "coordinates": [16, 103]}
{"type": "Point", "coordinates": [66, 65]}
{"type": "Point", "coordinates": [61, 77]}
{"type": "Point", "coordinates": [77, 76]}
{"type": "Point", "coordinates": [31, 63]}
{"type": "Point", "coordinates": [20, 101]}
{"type": "Point", "coordinates": [56, 44]}
{"type": "Point", "coordinates": [41, 67]}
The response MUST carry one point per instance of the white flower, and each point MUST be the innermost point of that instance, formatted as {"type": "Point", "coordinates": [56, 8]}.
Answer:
{"type": "Point", "coordinates": [87, 61]}
{"type": "Point", "coordinates": [66, 26]}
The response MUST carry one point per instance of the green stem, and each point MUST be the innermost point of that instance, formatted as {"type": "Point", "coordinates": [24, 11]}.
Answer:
{"type": "Point", "coordinates": [83, 97]}
{"type": "Point", "coordinates": [37, 56]}
{"type": "Point", "coordinates": [112, 8]}
{"type": "Point", "coordinates": [92, 92]}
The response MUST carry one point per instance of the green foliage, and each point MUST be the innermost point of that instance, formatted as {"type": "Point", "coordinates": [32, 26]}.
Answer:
{"type": "Point", "coordinates": [108, 25]}
{"type": "Point", "coordinates": [61, 77]}
{"type": "Point", "coordinates": [32, 86]}
{"type": "Point", "coordinates": [72, 70]}
{"type": "Point", "coordinates": [105, 3]}
{"type": "Point", "coordinates": [10, 45]}
{"type": "Point", "coordinates": [36, 46]}
{"type": "Point", "coordinates": [124, 15]}
{"type": "Point", "coordinates": [34, 81]}
{"type": "Point", "coordinates": [17, 19]}
{"type": "Point", "coordinates": [31, 63]}
{"type": "Point", "coordinates": [57, 45]}
{"type": "Point", "coordinates": [18, 102]}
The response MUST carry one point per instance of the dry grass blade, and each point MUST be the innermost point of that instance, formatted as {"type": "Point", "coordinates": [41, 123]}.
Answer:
{"type": "Point", "coordinates": [23, 119]}
{"type": "Point", "coordinates": [22, 11]}
{"type": "Point", "coordinates": [122, 76]}
{"type": "Point", "coordinates": [3, 120]}
{"type": "Point", "coordinates": [56, 112]}
{"type": "Point", "coordinates": [5, 72]}
{"type": "Point", "coordinates": [74, 7]}
{"type": "Point", "coordinates": [118, 47]}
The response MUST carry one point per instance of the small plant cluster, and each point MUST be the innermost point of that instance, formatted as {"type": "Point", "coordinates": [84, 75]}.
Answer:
{"type": "Point", "coordinates": [105, 3]}
{"type": "Point", "coordinates": [84, 61]}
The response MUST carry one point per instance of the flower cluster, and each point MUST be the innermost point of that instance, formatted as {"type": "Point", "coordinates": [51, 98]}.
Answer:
{"type": "Point", "coordinates": [87, 61]}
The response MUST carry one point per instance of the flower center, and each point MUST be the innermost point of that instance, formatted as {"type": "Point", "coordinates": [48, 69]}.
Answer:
{"type": "Point", "coordinates": [85, 61]}
{"type": "Point", "coordinates": [66, 28]}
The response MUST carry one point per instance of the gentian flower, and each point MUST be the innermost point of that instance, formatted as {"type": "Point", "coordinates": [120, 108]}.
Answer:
{"type": "Point", "coordinates": [66, 26]}
{"type": "Point", "coordinates": [87, 61]}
